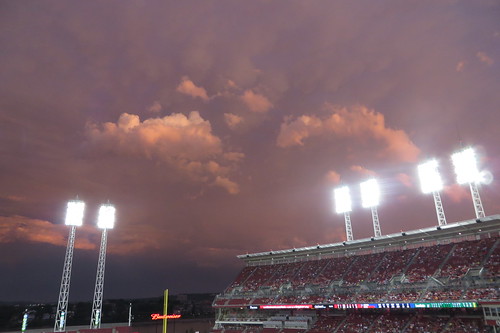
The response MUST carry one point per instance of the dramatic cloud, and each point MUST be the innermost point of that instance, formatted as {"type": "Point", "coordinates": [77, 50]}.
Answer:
{"type": "Point", "coordinates": [357, 123]}
{"type": "Point", "coordinates": [184, 143]}
{"type": "Point", "coordinates": [188, 87]}
{"type": "Point", "coordinates": [362, 171]}
{"type": "Point", "coordinates": [232, 120]}
{"type": "Point", "coordinates": [484, 58]}
{"type": "Point", "coordinates": [227, 184]}
{"type": "Point", "coordinates": [155, 108]}
{"type": "Point", "coordinates": [457, 193]}
{"type": "Point", "coordinates": [208, 129]}
{"type": "Point", "coordinates": [256, 102]}
{"type": "Point", "coordinates": [22, 229]}
{"type": "Point", "coordinates": [405, 179]}
{"type": "Point", "coordinates": [333, 177]}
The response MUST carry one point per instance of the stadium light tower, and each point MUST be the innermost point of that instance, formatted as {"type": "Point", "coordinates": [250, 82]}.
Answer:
{"type": "Point", "coordinates": [467, 172]}
{"type": "Point", "coordinates": [370, 198]}
{"type": "Point", "coordinates": [105, 221]}
{"type": "Point", "coordinates": [431, 182]}
{"type": "Point", "coordinates": [343, 205]}
{"type": "Point", "coordinates": [74, 218]}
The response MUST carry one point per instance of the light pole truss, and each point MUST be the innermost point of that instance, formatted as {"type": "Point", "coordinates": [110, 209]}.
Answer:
{"type": "Point", "coordinates": [348, 226]}
{"type": "Point", "coordinates": [478, 206]}
{"type": "Point", "coordinates": [62, 304]}
{"type": "Point", "coordinates": [95, 321]}
{"type": "Point", "coordinates": [439, 208]}
{"type": "Point", "coordinates": [376, 223]}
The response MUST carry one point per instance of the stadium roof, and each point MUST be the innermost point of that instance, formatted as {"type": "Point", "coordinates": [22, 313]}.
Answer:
{"type": "Point", "coordinates": [459, 230]}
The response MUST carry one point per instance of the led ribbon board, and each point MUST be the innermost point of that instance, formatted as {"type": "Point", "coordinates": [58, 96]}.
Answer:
{"type": "Point", "coordinates": [428, 305]}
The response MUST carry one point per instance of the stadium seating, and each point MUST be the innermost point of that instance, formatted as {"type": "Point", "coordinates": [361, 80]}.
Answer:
{"type": "Point", "coordinates": [427, 324]}
{"type": "Point", "coordinates": [391, 265]}
{"type": "Point", "coordinates": [427, 262]}
{"type": "Point", "coordinates": [464, 256]}
{"type": "Point", "coordinates": [388, 323]}
{"type": "Point", "coordinates": [465, 270]}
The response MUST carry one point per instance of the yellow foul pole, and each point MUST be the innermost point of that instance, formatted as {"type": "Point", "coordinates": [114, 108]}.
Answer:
{"type": "Point", "coordinates": [165, 302]}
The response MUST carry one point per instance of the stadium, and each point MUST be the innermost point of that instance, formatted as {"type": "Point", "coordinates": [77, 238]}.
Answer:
{"type": "Point", "coordinates": [438, 279]}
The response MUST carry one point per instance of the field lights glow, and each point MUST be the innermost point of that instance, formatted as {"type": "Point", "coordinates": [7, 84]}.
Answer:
{"type": "Point", "coordinates": [370, 193]}
{"type": "Point", "coordinates": [430, 180]}
{"type": "Point", "coordinates": [466, 166]}
{"type": "Point", "coordinates": [342, 200]}
{"type": "Point", "coordinates": [106, 219]}
{"type": "Point", "coordinates": [74, 213]}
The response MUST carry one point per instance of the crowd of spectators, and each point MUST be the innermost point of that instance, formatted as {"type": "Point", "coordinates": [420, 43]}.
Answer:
{"type": "Point", "coordinates": [362, 267]}
{"type": "Point", "coordinates": [333, 271]}
{"type": "Point", "coordinates": [427, 262]}
{"type": "Point", "coordinates": [482, 294]}
{"type": "Point", "coordinates": [464, 325]}
{"type": "Point", "coordinates": [389, 323]}
{"type": "Point", "coordinates": [451, 261]}
{"type": "Point", "coordinates": [355, 323]}
{"type": "Point", "coordinates": [326, 324]}
{"type": "Point", "coordinates": [426, 324]}
{"type": "Point", "coordinates": [391, 265]}
{"type": "Point", "coordinates": [443, 295]}
{"type": "Point", "coordinates": [309, 272]}
{"type": "Point", "coordinates": [466, 255]}
{"type": "Point", "coordinates": [492, 265]}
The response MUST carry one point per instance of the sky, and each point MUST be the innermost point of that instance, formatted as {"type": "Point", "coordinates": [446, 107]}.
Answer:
{"type": "Point", "coordinates": [220, 128]}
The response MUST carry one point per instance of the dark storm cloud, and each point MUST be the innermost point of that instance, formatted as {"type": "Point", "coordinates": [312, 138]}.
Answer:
{"type": "Point", "coordinates": [219, 128]}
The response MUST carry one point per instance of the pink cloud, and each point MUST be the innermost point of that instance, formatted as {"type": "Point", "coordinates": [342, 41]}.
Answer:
{"type": "Point", "coordinates": [232, 120]}
{"type": "Point", "coordinates": [362, 171]}
{"type": "Point", "coordinates": [155, 108]}
{"type": "Point", "coordinates": [185, 143]}
{"type": "Point", "coordinates": [293, 132]}
{"type": "Point", "coordinates": [230, 186]}
{"type": "Point", "coordinates": [24, 229]}
{"type": "Point", "coordinates": [405, 179]}
{"type": "Point", "coordinates": [354, 123]}
{"type": "Point", "coordinates": [484, 58]}
{"type": "Point", "coordinates": [256, 102]}
{"type": "Point", "coordinates": [457, 193]}
{"type": "Point", "coordinates": [188, 87]}
{"type": "Point", "coordinates": [333, 177]}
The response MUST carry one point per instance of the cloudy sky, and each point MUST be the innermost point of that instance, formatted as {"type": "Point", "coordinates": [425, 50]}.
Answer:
{"type": "Point", "coordinates": [220, 128]}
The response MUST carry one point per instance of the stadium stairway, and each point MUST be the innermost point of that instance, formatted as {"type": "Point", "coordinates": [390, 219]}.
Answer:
{"type": "Point", "coordinates": [440, 267]}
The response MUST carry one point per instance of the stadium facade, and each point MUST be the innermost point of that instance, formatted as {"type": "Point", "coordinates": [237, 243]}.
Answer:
{"type": "Point", "coordinates": [439, 279]}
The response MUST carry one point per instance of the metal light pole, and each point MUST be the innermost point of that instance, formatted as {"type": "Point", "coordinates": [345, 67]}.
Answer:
{"type": "Point", "coordinates": [370, 198]}
{"type": "Point", "coordinates": [343, 205]}
{"type": "Point", "coordinates": [467, 172]}
{"type": "Point", "coordinates": [106, 220]}
{"type": "Point", "coordinates": [430, 181]}
{"type": "Point", "coordinates": [74, 218]}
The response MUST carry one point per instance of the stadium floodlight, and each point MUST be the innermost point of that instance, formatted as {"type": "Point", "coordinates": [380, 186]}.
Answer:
{"type": "Point", "coordinates": [370, 193]}
{"type": "Point", "coordinates": [105, 221]}
{"type": "Point", "coordinates": [467, 172]}
{"type": "Point", "coordinates": [370, 198]}
{"type": "Point", "coordinates": [343, 204]}
{"type": "Point", "coordinates": [431, 182]}
{"type": "Point", "coordinates": [74, 218]}
{"type": "Point", "coordinates": [106, 218]}
{"type": "Point", "coordinates": [466, 166]}
{"type": "Point", "coordinates": [74, 213]}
